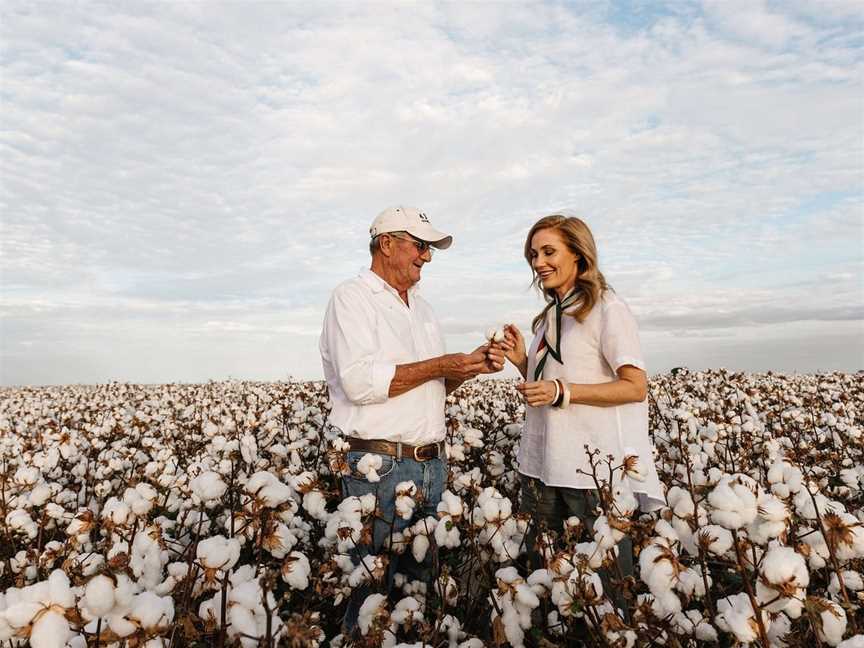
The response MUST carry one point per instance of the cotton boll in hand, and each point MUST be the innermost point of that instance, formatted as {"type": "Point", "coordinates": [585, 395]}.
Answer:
{"type": "Point", "coordinates": [495, 334]}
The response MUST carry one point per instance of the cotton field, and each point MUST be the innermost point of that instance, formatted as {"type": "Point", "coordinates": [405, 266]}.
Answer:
{"type": "Point", "coordinates": [209, 515]}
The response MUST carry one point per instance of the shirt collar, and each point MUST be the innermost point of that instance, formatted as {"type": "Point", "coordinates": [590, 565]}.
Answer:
{"type": "Point", "coordinates": [377, 284]}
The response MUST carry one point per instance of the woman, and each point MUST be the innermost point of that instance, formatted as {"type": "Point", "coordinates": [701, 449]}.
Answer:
{"type": "Point", "coordinates": [585, 382]}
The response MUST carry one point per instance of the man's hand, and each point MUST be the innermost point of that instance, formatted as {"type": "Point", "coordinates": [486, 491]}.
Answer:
{"type": "Point", "coordinates": [494, 357]}
{"type": "Point", "coordinates": [464, 366]}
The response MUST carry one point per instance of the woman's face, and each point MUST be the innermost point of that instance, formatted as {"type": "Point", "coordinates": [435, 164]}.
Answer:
{"type": "Point", "coordinates": [553, 261]}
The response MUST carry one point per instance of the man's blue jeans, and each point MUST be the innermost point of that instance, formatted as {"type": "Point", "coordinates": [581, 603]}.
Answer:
{"type": "Point", "coordinates": [430, 478]}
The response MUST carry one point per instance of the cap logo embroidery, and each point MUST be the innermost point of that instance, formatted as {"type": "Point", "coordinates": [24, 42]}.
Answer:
{"type": "Point", "coordinates": [424, 218]}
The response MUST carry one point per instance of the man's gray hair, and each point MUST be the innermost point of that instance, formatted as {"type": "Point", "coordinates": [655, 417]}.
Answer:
{"type": "Point", "coordinates": [374, 245]}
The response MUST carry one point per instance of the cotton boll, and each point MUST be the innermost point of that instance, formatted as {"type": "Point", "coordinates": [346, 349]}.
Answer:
{"type": "Point", "coordinates": [733, 502]}
{"type": "Point", "coordinates": [783, 582]}
{"type": "Point", "coordinates": [407, 612]}
{"type": "Point", "coordinates": [832, 620]}
{"type": "Point", "coordinates": [781, 626]}
{"type": "Point", "coordinates": [152, 611]}
{"type": "Point", "coordinates": [659, 570]}
{"type": "Point", "coordinates": [218, 552]}
{"type": "Point", "coordinates": [51, 630]}
{"type": "Point", "coordinates": [40, 494]}
{"type": "Point", "coordinates": [374, 606]}
{"type": "Point", "coordinates": [267, 488]}
{"type": "Point", "coordinates": [623, 500]}
{"type": "Point", "coordinates": [691, 584]}
{"type": "Point", "coordinates": [316, 505]}
{"type": "Point", "coordinates": [715, 539]}
{"type": "Point", "coordinates": [370, 567]}
{"type": "Point", "coordinates": [447, 590]}
{"type": "Point", "coordinates": [147, 557]}
{"type": "Point", "coordinates": [21, 614]}
{"type": "Point", "coordinates": [634, 467]}
{"type": "Point", "coordinates": [736, 615]}
{"type": "Point", "coordinates": [280, 541]}
{"type": "Point", "coordinates": [851, 580]}
{"type": "Point", "coordinates": [59, 591]}
{"type": "Point", "coordinates": [447, 533]}
{"type": "Point", "coordinates": [405, 502]}
{"type": "Point", "coordinates": [207, 488]}
{"type": "Point", "coordinates": [99, 595]}
{"type": "Point", "coordinates": [495, 464]}
{"type": "Point", "coordinates": [369, 465]}
{"type": "Point", "coordinates": [605, 535]}
{"type": "Point", "coordinates": [472, 437]}
{"type": "Point", "coordinates": [419, 547]}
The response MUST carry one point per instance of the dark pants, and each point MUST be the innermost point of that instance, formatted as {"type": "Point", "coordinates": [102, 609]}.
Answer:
{"type": "Point", "coordinates": [553, 505]}
{"type": "Point", "coordinates": [430, 478]}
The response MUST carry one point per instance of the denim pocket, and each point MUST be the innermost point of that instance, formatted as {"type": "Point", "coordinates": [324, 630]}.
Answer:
{"type": "Point", "coordinates": [388, 463]}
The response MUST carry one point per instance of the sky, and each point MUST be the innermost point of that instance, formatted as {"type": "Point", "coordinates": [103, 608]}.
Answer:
{"type": "Point", "coordinates": [182, 184]}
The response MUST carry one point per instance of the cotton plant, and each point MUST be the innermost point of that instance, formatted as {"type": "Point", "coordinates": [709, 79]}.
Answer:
{"type": "Point", "coordinates": [127, 483]}
{"type": "Point", "coordinates": [247, 620]}
{"type": "Point", "coordinates": [783, 580]}
{"type": "Point", "coordinates": [737, 616]}
{"type": "Point", "coordinates": [38, 612]}
{"type": "Point", "coordinates": [513, 600]}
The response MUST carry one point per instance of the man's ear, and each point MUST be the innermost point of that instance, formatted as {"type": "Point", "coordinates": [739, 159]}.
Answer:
{"type": "Point", "coordinates": [385, 245]}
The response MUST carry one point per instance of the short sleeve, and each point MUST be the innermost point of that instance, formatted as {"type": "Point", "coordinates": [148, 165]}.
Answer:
{"type": "Point", "coordinates": [619, 337]}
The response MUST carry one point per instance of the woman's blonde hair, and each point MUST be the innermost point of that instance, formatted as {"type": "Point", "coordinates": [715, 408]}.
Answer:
{"type": "Point", "coordinates": [590, 282]}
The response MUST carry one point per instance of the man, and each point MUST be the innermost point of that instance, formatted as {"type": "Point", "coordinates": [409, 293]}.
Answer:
{"type": "Point", "coordinates": [388, 375]}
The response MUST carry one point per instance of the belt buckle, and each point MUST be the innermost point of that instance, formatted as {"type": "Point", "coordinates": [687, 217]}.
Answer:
{"type": "Point", "coordinates": [428, 447]}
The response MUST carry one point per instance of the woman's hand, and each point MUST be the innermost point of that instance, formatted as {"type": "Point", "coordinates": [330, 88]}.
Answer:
{"type": "Point", "coordinates": [513, 346]}
{"type": "Point", "coordinates": [539, 393]}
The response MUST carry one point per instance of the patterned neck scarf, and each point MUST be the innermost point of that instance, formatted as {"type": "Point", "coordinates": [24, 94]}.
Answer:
{"type": "Point", "coordinates": [551, 342]}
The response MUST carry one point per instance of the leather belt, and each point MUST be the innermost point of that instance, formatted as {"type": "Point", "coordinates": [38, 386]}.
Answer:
{"type": "Point", "coordinates": [398, 449]}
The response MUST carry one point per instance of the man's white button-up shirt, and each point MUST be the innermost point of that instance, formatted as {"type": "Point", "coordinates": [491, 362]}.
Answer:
{"type": "Point", "coordinates": [368, 330]}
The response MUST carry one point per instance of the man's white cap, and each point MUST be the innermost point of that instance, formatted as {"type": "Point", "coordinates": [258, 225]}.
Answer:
{"type": "Point", "coordinates": [411, 220]}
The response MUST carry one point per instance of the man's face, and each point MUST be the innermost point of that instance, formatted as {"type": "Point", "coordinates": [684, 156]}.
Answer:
{"type": "Point", "coordinates": [406, 259]}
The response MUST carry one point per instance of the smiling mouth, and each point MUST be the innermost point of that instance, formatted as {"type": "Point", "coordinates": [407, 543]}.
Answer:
{"type": "Point", "coordinates": [545, 275]}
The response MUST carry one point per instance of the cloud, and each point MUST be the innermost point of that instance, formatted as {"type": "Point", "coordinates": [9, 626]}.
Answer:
{"type": "Point", "coordinates": [198, 178]}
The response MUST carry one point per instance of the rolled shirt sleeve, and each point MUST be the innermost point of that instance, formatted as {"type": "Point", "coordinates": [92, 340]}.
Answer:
{"type": "Point", "coordinates": [619, 337]}
{"type": "Point", "coordinates": [349, 339]}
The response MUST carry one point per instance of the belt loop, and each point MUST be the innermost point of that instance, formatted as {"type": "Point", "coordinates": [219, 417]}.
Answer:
{"type": "Point", "coordinates": [398, 451]}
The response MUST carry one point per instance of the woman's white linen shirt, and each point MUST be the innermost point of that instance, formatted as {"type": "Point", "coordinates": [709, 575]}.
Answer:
{"type": "Point", "coordinates": [367, 331]}
{"type": "Point", "coordinates": [552, 447]}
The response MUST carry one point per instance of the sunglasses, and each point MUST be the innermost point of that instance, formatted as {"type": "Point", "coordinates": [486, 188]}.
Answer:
{"type": "Point", "coordinates": [421, 246]}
